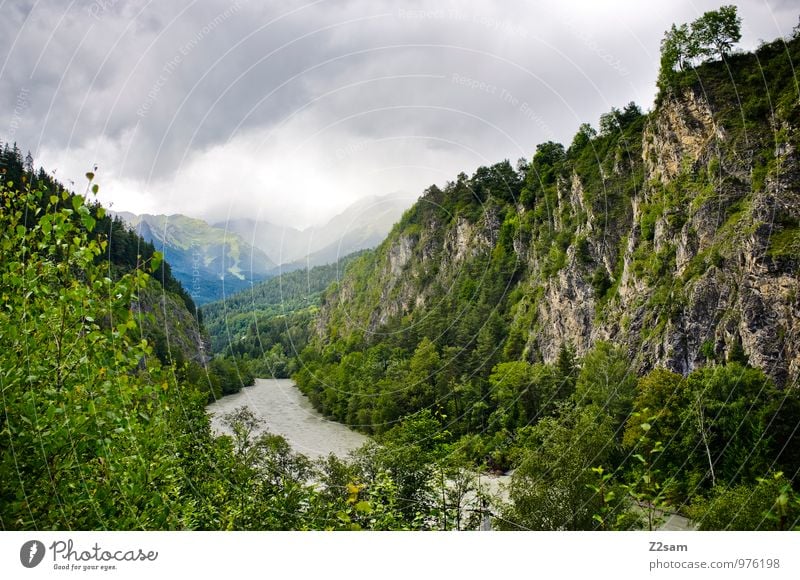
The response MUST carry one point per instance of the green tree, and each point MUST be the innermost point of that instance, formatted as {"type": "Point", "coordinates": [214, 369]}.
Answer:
{"type": "Point", "coordinates": [729, 423]}
{"type": "Point", "coordinates": [551, 489]}
{"type": "Point", "coordinates": [677, 49]}
{"type": "Point", "coordinates": [768, 504]}
{"type": "Point", "coordinates": [617, 120]}
{"type": "Point", "coordinates": [513, 393]}
{"type": "Point", "coordinates": [408, 453]}
{"type": "Point", "coordinates": [421, 379]}
{"type": "Point", "coordinates": [713, 34]}
{"type": "Point", "coordinates": [644, 484]}
{"type": "Point", "coordinates": [716, 31]}
{"type": "Point", "coordinates": [582, 138]}
{"type": "Point", "coordinates": [90, 439]}
{"type": "Point", "coordinates": [606, 381]}
{"type": "Point", "coordinates": [567, 370]}
{"type": "Point", "coordinates": [661, 397]}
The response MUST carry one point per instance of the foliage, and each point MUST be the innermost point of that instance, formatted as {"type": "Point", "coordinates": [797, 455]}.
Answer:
{"type": "Point", "coordinates": [716, 31]}
{"type": "Point", "coordinates": [768, 504]}
{"type": "Point", "coordinates": [605, 381]}
{"type": "Point", "coordinates": [551, 488]}
{"type": "Point", "coordinates": [433, 343]}
{"type": "Point", "coordinates": [711, 35]}
{"type": "Point", "coordinates": [90, 438]}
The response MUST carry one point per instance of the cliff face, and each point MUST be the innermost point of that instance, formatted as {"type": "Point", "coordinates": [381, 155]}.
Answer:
{"type": "Point", "coordinates": [677, 236]}
{"type": "Point", "coordinates": [724, 281]}
{"type": "Point", "coordinates": [171, 329]}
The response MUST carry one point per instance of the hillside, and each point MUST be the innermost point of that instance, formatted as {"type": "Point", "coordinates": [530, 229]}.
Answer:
{"type": "Point", "coordinates": [271, 322]}
{"type": "Point", "coordinates": [645, 275]}
{"type": "Point", "coordinates": [674, 233]}
{"type": "Point", "coordinates": [612, 325]}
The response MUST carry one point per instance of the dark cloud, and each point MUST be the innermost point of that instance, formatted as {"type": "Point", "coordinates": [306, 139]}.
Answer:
{"type": "Point", "coordinates": [294, 109]}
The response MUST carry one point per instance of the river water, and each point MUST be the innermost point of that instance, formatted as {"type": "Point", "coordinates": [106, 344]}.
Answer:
{"type": "Point", "coordinates": [287, 412]}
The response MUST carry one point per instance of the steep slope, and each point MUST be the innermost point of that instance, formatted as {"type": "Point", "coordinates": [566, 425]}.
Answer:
{"type": "Point", "coordinates": [208, 261]}
{"type": "Point", "coordinates": [674, 234]}
{"type": "Point", "coordinates": [272, 320]}
{"type": "Point", "coordinates": [164, 313]}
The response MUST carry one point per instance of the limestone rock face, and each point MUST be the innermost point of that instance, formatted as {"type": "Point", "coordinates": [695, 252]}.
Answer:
{"type": "Point", "coordinates": [696, 261]}
{"type": "Point", "coordinates": [684, 132]}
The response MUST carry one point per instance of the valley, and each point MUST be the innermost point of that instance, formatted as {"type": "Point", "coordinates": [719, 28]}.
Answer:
{"type": "Point", "coordinates": [601, 335]}
{"type": "Point", "coordinates": [214, 261]}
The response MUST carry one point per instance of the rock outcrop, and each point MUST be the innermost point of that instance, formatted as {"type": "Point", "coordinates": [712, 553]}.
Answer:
{"type": "Point", "coordinates": [683, 244]}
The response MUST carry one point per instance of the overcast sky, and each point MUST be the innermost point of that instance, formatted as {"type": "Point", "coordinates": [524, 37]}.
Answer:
{"type": "Point", "coordinates": [291, 110]}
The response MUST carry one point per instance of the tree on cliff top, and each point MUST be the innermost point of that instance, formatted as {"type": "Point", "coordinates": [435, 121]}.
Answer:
{"type": "Point", "coordinates": [713, 35]}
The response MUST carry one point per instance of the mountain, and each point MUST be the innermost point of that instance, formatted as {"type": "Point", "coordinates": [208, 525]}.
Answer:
{"type": "Point", "coordinates": [617, 320]}
{"type": "Point", "coordinates": [630, 302]}
{"type": "Point", "coordinates": [212, 261]}
{"type": "Point", "coordinates": [149, 301]}
{"type": "Point", "coordinates": [364, 224]}
{"type": "Point", "coordinates": [271, 322]}
{"type": "Point", "coordinates": [675, 233]}
{"type": "Point", "coordinates": [208, 261]}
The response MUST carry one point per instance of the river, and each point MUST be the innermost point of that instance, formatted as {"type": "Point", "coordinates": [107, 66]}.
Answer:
{"type": "Point", "coordinates": [287, 412]}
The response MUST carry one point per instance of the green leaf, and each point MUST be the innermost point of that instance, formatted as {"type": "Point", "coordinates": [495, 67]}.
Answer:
{"type": "Point", "coordinates": [156, 260]}
{"type": "Point", "coordinates": [77, 202]}
{"type": "Point", "coordinates": [89, 175]}
{"type": "Point", "coordinates": [95, 188]}
{"type": "Point", "coordinates": [364, 507]}
{"type": "Point", "coordinates": [88, 221]}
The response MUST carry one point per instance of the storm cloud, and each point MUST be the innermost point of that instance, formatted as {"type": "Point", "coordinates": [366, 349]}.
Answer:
{"type": "Point", "coordinates": [289, 111]}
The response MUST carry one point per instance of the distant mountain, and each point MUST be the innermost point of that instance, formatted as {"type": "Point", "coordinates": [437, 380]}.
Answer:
{"type": "Point", "coordinates": [210, 262]}
{"type": "Point", "coordinates": [280, 243]}
{"type": "Point", "coordinates": [274, 312]}
{"type": "Point", "coordinates": [361, 225]}
{"type": "Point", "coordinates": [213, 261]}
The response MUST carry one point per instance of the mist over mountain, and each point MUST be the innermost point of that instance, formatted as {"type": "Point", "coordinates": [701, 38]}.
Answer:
{"type": "Point", "coordinates": [216, 260]}
{"type": "Point", "coordinates": [362, 225]}
{"type": "Point", "coordinates": [604, 324]}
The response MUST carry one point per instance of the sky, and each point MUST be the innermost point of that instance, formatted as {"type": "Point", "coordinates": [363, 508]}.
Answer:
{"type": "Point", "coordinates": [289, 111]}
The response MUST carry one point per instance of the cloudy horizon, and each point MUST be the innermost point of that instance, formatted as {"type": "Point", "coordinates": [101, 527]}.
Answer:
{"type": "Point", "coordinates": [291, 111]}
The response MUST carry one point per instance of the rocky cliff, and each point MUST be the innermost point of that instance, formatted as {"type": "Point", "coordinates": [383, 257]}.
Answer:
{"type": "Point", "coordinates": [675, 234]}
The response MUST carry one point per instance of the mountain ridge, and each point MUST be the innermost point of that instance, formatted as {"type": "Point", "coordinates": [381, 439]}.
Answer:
{"type": "Point", "coordinates": [673, 234]}
{"type": "Point", "coordinates": [220, 259]}
{"type": "Point", "coordinates": [359, 226]}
